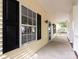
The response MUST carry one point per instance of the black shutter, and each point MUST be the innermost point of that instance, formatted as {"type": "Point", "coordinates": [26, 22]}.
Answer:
{"type": "Point", "coordinates": [38, 26]}
{"type": "Point", "coordinates": [10, 25]}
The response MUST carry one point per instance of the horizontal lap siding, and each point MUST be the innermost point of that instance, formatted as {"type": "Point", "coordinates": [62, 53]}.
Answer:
{"type": "Point", "coordinates": [30, 48]}
{"type": "Point", "coordinates": [1, 27]}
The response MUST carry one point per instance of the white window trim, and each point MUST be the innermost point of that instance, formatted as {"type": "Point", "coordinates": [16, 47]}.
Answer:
{"type": "Point", "coordinates": [20, 21]}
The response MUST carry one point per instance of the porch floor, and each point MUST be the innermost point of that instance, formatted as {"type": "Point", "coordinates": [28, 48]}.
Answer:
{"type": "Point", "coordinates": [58, 48]}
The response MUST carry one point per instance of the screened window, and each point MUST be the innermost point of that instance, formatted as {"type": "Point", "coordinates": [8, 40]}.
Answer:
{"type": "Point", "coordinates": [28, 25]}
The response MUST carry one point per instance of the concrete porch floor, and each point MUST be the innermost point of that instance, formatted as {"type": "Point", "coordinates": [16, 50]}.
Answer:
{"type": "Point", "coordinates": [58, 48]}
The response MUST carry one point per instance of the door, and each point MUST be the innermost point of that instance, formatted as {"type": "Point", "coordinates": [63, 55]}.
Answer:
{"type": "Point", "coordinates": [54, 28]}
{"type": "Point", "coordinates": [49, 31]}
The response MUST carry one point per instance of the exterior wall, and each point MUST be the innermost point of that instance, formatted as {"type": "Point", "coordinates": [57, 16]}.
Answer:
{"type": "Point", "coordinates": [1, 27]}
{"type": "Point", "coordinates": [30, 48]}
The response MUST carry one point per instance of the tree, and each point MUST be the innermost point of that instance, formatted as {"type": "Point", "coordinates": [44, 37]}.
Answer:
{"type": "Point", "coordinates": [63, 24]}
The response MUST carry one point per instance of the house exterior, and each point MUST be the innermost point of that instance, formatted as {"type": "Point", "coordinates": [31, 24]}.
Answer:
{"type": "Point", "coordinates": [29, 47]}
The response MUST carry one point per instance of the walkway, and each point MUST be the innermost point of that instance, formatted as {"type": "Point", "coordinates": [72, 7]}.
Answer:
{"type": "Point", "coordinates": [58, 48]}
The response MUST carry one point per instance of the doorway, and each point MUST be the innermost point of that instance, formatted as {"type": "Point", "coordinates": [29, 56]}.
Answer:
{"type": "Point", "coordinates": [49, 31]}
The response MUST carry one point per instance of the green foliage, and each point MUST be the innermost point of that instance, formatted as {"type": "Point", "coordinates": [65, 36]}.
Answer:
{"type": "Point", "coordinates": [63, 24]}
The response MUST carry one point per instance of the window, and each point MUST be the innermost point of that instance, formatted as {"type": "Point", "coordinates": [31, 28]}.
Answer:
{"type": "Point", "coordinates": [28, 25]}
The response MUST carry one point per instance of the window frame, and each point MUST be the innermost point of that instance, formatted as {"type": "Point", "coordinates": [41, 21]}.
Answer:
{"type": "Point", "coordinates": [27, 25]}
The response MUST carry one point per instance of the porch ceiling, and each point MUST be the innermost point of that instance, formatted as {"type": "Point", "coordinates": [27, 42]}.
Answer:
{"type": "Point", "coordinates": [57, 8]}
